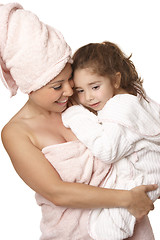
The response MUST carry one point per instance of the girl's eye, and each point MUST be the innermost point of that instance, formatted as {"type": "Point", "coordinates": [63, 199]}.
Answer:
{"type": "Point", "coordinates": [79, 91]}
{"type": "Point", "coordinates": [57, 87]}
{"type": "Point", "coordinates": [96, 87]}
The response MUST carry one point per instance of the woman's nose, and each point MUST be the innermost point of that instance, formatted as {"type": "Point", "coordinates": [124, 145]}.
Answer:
{"type": "Point", "coordinates": [71, 82]}
{"type": "Point", "coordinates": [68, 91]}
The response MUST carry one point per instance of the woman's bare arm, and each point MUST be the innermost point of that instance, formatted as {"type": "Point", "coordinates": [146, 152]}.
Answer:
{"type": "Point", "coordinates": [31, 165]}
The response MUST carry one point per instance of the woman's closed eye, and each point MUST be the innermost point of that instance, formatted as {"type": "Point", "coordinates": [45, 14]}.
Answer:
{"type": "Point", "coordinates": [57, 87]}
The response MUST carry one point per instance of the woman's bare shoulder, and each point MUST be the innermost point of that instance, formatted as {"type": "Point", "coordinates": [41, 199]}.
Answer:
{"type": "Point", "coordinates": [14, 124]}
{"type": "Point", "coordinates": [14, 130]}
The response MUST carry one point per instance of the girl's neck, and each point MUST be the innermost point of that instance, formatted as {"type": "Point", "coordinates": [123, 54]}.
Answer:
{"type": "Point", "coordinates": [120, 91]}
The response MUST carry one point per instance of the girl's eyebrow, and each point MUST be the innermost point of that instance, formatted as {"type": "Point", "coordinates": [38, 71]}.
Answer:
{"type": "Point", "coordinates": [76, 87]}
{"type": "Point", "coordinates": [90, 83]}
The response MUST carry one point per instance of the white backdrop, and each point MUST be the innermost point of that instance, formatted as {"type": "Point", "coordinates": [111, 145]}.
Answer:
{"type": "Point", "coordinates": [134, 26]}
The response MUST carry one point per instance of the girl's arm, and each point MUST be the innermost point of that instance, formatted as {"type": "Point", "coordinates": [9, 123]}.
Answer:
{"type": "Point", "coordinates": [107, 141]}
{"type": "Point", "coordinates": [39, 175]}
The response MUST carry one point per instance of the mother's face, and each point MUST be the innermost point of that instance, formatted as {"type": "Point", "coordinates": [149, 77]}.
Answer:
{"type": "Point", "coordinates": [54, 96]}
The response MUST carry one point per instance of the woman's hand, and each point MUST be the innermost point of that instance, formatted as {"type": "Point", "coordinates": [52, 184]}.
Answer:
{"type": "Point", "coordinates": [141, 204]}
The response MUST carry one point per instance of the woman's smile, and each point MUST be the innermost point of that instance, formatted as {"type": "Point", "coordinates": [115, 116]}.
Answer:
{"type": "Point", "coordinates": [62, 103]}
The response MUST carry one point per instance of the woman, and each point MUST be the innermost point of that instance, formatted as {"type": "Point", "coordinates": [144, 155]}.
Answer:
{"type": "Point", "coordinates": [35, 58]}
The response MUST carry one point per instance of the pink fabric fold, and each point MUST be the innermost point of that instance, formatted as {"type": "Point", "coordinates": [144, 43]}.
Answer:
{"type": "Point", "coordinates": [5, 74]}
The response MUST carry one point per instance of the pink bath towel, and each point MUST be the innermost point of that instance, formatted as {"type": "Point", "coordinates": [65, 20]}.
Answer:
{"type": "Point", "coordinates": [75, 163]}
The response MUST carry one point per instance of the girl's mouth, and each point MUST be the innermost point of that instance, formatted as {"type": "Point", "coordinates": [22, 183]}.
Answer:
{"type": "Point", "coordinates": [94, 105]}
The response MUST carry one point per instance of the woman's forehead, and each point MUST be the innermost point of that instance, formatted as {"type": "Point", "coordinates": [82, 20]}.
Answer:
{"type": "Point", "coordinates": [65, 73]}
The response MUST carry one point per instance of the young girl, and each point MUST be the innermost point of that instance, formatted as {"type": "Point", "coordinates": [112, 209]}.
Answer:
{"type": "Point", "coordinates": [125, 133]}
{"type": "Point", "coordinates": [35, 58]}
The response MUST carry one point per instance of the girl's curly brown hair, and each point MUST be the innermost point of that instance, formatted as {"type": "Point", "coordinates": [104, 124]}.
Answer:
{"type": "Point", "coordinates": [106, 59]}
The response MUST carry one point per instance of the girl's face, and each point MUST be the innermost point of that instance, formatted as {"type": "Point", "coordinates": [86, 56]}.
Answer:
{"type": "Point", "coordinates": [54, 96]}
{"type": "Point", "coordinates": [93, 90]}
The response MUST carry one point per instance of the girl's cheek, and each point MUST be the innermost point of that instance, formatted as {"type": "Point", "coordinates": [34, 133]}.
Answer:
{"type": "Point", "coordinates": [80, 99]}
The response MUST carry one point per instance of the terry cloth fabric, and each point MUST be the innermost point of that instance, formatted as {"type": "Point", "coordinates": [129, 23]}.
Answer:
{"type": "Point", "coordinates": [31, 52]}
{"type": "Point", "coordinates": [129, 139]}
{"type": "Point", "coordinates": [75, 163]}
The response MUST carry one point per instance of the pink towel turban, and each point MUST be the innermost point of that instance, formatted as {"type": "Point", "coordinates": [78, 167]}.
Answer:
{"type": "Point", "coordinates": [31, 52]}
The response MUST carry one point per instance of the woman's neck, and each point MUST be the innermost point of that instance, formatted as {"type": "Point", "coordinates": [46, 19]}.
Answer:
{"type": "Point", "coordinates": [34, 110]}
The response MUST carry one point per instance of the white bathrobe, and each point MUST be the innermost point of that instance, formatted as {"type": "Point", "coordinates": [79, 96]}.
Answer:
{"type": "Point", "coordinates": [126, 134]}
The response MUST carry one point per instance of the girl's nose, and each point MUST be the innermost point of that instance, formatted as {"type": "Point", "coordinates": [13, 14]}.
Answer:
{"type": "Point", "coordinates": [88, 96]}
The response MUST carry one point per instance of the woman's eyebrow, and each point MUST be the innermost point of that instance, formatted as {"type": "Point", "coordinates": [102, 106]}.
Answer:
{"type": "Point", "coordinates": [54, 82]}
{"type": "Point", "coordinates": [58, 81]}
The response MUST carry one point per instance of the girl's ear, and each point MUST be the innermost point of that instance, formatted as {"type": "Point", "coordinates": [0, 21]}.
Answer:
{"type": "Point", "coordinates": [117, 81]}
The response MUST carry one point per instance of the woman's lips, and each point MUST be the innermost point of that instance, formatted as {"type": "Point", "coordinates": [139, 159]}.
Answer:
{"type": "Point", "coordinates": [62, 103]}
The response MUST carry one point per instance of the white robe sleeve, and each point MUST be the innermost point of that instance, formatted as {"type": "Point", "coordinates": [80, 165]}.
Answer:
{"type": "Point", "coordinates": [107, 141]}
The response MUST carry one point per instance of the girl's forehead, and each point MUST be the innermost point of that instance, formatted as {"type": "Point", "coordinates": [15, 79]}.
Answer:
{"type": "Point", "coordinates": [85, 73]}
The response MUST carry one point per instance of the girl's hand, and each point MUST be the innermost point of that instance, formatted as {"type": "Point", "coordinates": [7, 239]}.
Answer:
{"type": "Point", "coordinates": [141, 204]}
